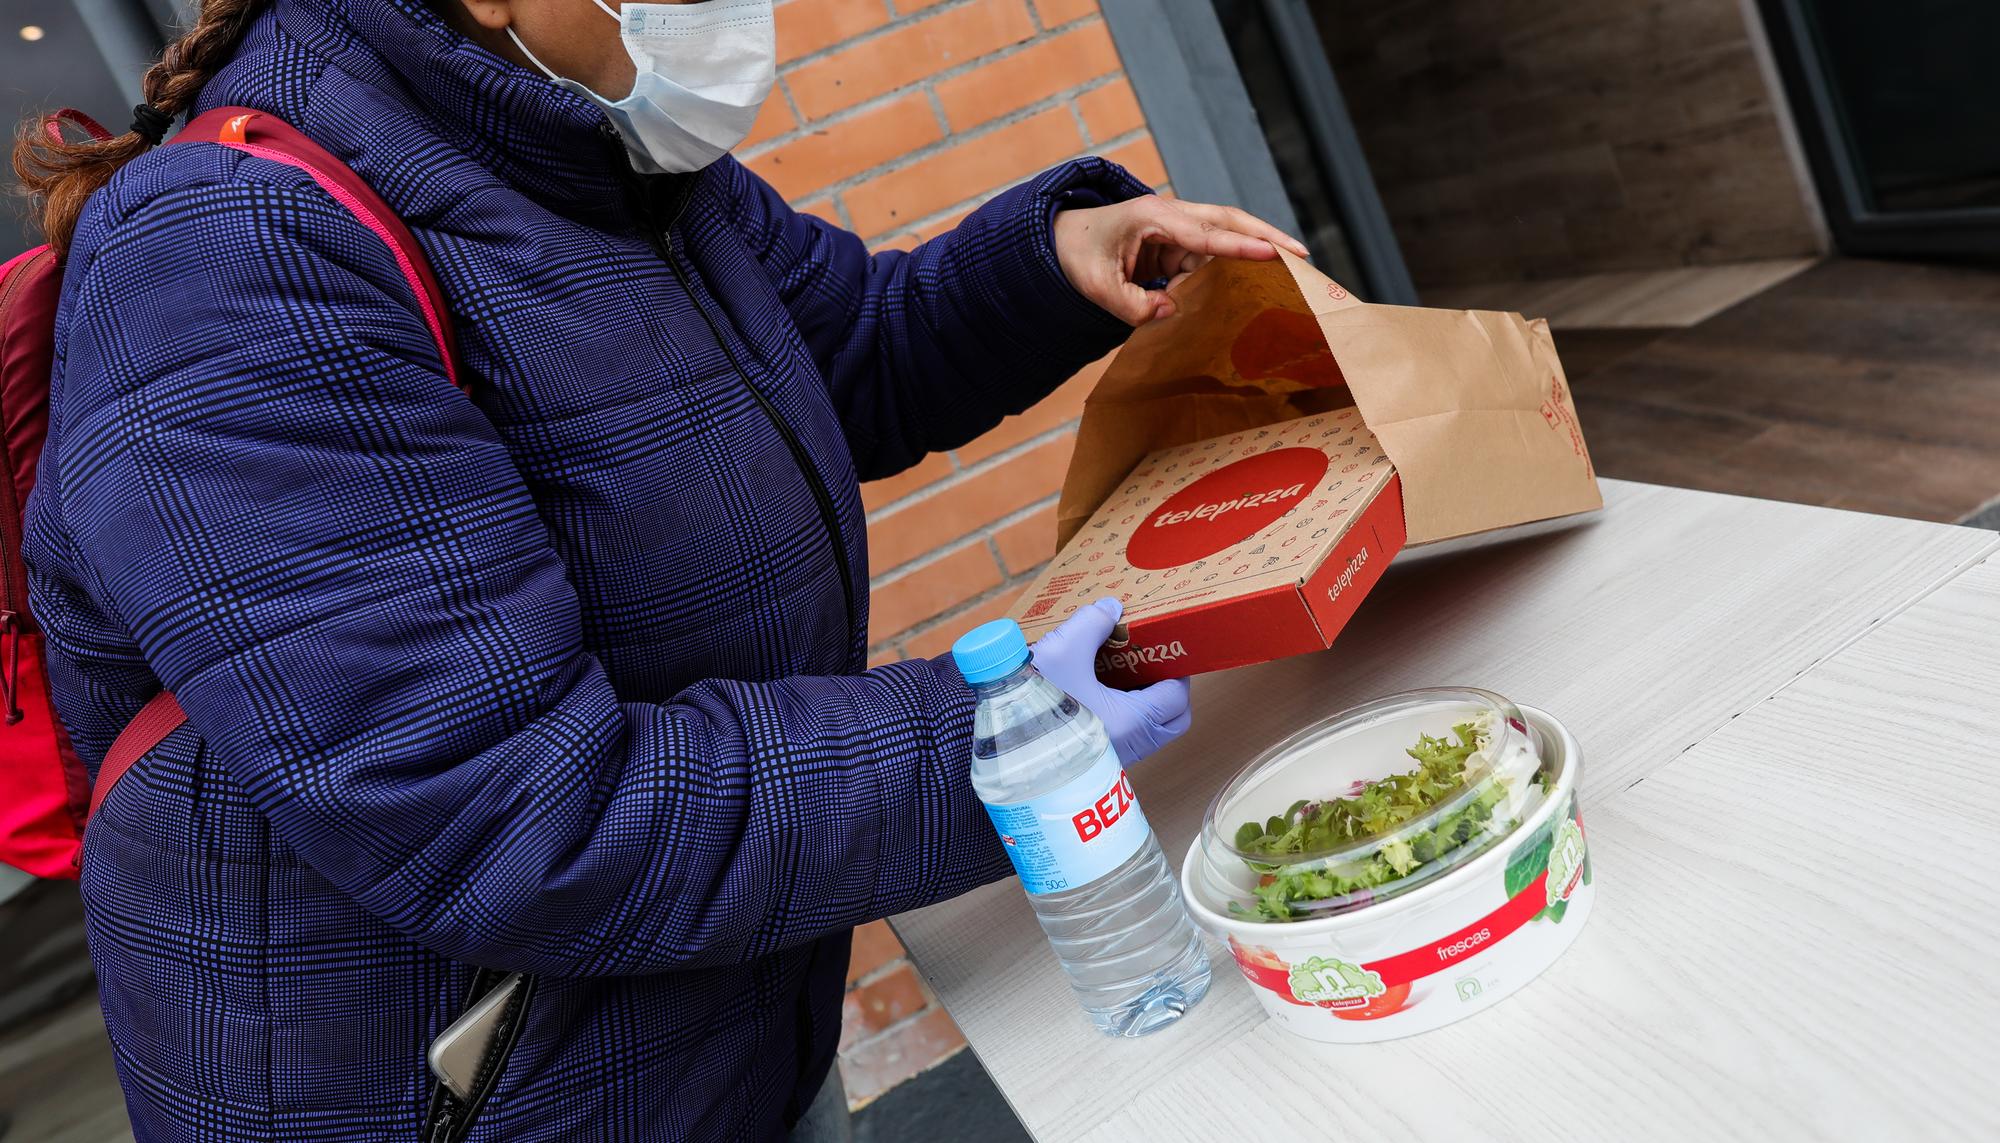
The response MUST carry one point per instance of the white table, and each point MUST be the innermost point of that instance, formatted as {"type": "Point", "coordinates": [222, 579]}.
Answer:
{"type": "Point", "coordinates": [1790, 718]}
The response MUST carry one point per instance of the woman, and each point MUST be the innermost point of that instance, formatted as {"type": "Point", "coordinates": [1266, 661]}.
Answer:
{"type": "Point", "coordinates": [565, 677]}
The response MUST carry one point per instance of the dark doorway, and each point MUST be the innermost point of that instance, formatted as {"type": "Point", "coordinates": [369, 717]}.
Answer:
{"type": "Point", "coordinates": [1897, 105]}
{"type": "Point", "coordinates": [1304, 117]}
{"type": "Point", "coordinates": [1244, 106]}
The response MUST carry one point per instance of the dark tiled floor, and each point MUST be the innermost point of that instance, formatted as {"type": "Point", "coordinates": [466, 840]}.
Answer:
{"type": "Point", "coordinates": [953, 1101]}
{"type": "Point", "coordinates": [1858, 384]}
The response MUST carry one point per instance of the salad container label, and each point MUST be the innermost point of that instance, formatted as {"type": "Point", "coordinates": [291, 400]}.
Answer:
{"type": "Point", "coordinates": [1073, 834]}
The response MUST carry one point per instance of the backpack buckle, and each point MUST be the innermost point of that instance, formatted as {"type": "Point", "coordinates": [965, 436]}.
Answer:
{"type": "Point", "coordinates": [10, 675]}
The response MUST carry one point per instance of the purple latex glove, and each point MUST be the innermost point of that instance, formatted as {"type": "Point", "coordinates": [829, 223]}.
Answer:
{"type": "Point", "coordinates": [1140, 721]}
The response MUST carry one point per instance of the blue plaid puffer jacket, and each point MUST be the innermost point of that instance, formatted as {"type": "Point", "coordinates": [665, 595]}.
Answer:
{"type": "Point", "coordinates": [564, 677]}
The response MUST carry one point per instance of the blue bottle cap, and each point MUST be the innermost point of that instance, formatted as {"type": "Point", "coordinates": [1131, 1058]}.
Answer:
{"type": "Point", "coordinates": [990, 651]}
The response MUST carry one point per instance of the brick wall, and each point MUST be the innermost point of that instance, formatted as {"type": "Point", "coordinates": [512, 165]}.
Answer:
{"type": "Point", "coordinates": [895, 118]}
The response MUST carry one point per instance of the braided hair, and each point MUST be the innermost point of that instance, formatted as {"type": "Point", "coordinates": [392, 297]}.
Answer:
{"type": "Point", "coordinates": [60, 173]}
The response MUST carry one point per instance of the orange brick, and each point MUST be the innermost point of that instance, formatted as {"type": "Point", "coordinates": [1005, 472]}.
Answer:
{"type": "Point", "coordinates": [819, 208]}
{"type": "Point", "coordinates": [875, 946]}
{"type": "Point", "coordinates": [967, 505]}
{"type": "Point", "coordinates": [929, 470]}
{"type": "Point", "coordinates": [1056, 13]}
{"type": "Point", "coordinates": [825, 155]}
{"type": "Point", "coordinates": [1063, 405]}
{"type": "Point", "coordinates": [884, 658]}
{"type": "Point", "coordinates": [807, 26]}
{"type": "Point", "coordinates": [1052, 64]}
{"type": "Point", "coordinates": [937, 639]}
{"type": "Point", "coordinates": [1142, 159]}
{"type": "Point", "coordinates": [952, 176]}
{"type": "Point", "coordinates": [1025, 544]}
{"type": "Point", "coordinates": [933, 589]}
{"type": "Point", "coordinates": [874, 1067]}
{"type": "Point", "coordinates": [775, 118]}
{"type": "Point", "coordinates": [905, 7]}
{"type": "Point", "coordinates": [907, 54]}
{"type": "Point", "coordinates": [888, 1000]}
{"type": "Point", "coordinates": [1110, 111]}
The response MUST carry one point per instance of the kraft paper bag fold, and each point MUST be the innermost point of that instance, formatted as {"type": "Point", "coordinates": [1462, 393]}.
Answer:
{"type": "Point", "coordinates": [1471, 407]}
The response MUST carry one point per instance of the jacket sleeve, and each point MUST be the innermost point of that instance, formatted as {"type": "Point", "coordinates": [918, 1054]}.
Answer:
{"type": "Point", "coordinates": [327, 553]}
{"type": "Point", "coordinates": [927, 349]}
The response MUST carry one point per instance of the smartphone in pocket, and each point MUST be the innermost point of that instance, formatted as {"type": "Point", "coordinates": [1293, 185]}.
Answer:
{"type": "Point", "coordinates": [458, 1053]}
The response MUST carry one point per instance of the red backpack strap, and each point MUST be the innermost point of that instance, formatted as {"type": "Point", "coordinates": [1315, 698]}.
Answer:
{"type": "Point", "coordinates": [266, 136]}
{"type": "Point", "coordinates": [158, 718]}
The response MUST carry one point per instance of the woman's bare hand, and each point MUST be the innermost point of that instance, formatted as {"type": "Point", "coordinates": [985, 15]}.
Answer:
{"type": "Point", "coordinates": [1111, 253]}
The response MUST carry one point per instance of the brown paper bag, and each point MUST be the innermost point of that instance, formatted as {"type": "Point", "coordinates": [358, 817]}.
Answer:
{"type": "Point", "coordinates": [1471, 407]}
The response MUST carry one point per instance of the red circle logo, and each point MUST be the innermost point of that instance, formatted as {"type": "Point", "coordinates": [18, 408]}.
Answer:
{"type": "Point", "coordinates": [1225, 507]}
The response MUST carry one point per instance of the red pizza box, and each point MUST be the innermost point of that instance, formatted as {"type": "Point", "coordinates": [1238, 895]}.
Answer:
{"type": "Point", "coordinates": [1238, 549]}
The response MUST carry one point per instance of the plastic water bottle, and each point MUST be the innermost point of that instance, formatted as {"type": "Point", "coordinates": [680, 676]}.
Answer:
{"type": "Point", "coordinates": [1064, 809]}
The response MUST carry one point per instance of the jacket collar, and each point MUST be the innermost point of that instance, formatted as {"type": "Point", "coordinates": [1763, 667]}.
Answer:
{"type": "Point", "coordinates": [420, 73]}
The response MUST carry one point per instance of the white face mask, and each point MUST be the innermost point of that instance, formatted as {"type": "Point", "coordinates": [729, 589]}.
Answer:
{"type": "Point", "coordinates": [704, 69]}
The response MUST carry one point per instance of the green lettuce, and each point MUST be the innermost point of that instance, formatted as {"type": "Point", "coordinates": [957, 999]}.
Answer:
{"type": "Point", "coordinates": [1378, 808]}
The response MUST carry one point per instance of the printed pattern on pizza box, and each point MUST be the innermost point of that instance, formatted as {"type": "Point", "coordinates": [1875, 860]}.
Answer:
{"type": "Point", "coordinates": [1217, 519]}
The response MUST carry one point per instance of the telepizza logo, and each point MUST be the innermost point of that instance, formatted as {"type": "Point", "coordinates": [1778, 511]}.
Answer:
{"type": "Point", "coordinates": [1210, 511]}
{"type": "Point", "coordinates": [1354, 565]}
{"type": "Point", "coordinates": [1130, 657]}
{"type": "Point", "coordinates": [1225, 507]}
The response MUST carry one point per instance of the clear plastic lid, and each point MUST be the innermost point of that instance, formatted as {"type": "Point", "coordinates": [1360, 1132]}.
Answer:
{"type": "Point", "coordinates": [1370, 804]}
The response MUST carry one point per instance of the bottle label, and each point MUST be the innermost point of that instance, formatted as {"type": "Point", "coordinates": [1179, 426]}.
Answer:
{"type": "Point", "coordinates": [1073, 834]}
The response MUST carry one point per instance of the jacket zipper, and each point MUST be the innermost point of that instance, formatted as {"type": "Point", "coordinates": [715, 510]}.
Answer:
{"type": "Point", "coordinates": [13, 593]}
{"type": "Point", "coordinates": [660, 233]}
{"type": "Point", "coordinates": [662, 238]}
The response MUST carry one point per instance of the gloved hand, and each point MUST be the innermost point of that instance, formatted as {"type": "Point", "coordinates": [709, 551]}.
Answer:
{"type": "Point", "coordinates": [1140, 721]}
